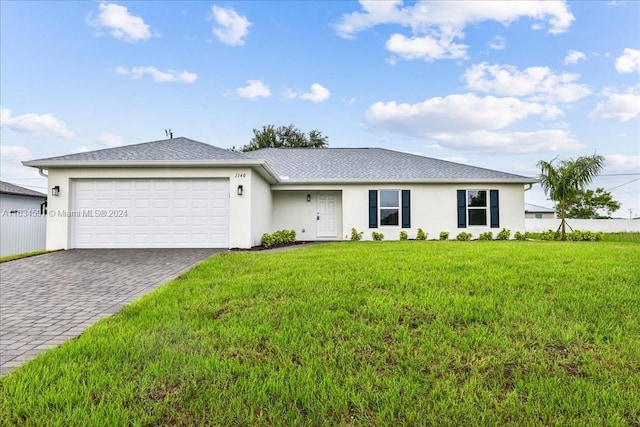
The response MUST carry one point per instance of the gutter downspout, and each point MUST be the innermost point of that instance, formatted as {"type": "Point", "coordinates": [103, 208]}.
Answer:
{"type": "Point", "coordinates": [530, 187]}
{"type": "Point", "coordinates": [42, 173]}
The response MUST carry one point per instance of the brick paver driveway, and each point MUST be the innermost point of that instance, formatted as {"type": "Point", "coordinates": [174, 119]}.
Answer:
{"type": "Point", "coordinates": [48, 299]}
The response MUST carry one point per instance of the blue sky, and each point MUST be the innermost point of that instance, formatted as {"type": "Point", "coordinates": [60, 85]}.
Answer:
{"type": "Point", "coordinates": [495, 84]}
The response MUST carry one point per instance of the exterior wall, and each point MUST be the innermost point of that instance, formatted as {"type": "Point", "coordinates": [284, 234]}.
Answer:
{"type": "Point", "coordinates": [58, 225]}
{"type": "Point", "coordinates": [11, 202]}
{"type": "Point", "coordinates": [22, 234]}
{"type": "Point", "coordinates": [291, 210]}
{"type": "Point", "coordinates": [605, 225]}
{"type": "Point", "coordinates": [261, 208]}
{"type": "Point", "coordinates": [434, 209]}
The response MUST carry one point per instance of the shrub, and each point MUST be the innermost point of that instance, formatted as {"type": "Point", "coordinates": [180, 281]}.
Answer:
{"type": "Point", "coordinates": [464, 236]}
{"type": "Point", "coordinates": [585, 236]}
{"type": "Point", "coordinates": [444, 235]}
{"type": "Point", "coordinates": [421, 234]}
{"type": "Point", "coordinates": [548, 235]}
{"type": "Point", "coordinates": [503, 234]}
{"type": "Point", "coordinates": [404, 235]}
{"type": "Point", "coordinates": [356, 235]}
{"type": "Point", "coordinates": [278, 238]}
{"type": "Point", "coordinates": [377, 236]}
{"type": "Point", "coordinates": [521, 236]}
{"type": "Point", "coordinates": [487, 235]}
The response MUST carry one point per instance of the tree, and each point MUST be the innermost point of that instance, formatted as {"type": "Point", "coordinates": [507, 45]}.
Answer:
{"type": "Point", "coordinates": [563, 181]}
{"type": "Point", "coordinates": [586, 204]}
{"type": "Point", "coordinates": [284, 137]}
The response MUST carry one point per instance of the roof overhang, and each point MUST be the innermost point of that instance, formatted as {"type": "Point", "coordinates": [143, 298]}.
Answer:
{"type": "Point", "coordinates": [291, 182]}
{"type": "Point", "coordinates": [259, 166]}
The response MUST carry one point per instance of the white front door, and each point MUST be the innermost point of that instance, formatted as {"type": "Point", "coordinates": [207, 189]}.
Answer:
{"type": "Point", "coordinates": [327, 219]}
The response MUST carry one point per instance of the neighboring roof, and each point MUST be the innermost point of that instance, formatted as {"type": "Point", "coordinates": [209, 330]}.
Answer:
{"type": "Point", "coordinates": [528, 207]}
{"type": "Point", "coordinates": [287, 165]}
{"type": "Point", "coordinates": [16, 190]}
{"type": "Point", "coordinates": [309, 165]}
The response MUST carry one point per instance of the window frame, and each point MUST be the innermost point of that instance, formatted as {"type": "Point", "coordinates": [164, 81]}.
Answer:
{"type": "Point", "coordinates": [397, 207]}
{"type": "Point", "coordinates": [485, 208]}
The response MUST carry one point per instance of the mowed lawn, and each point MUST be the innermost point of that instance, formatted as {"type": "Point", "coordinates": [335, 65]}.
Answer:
{"type": "Point", "coordinates": [360, 334]}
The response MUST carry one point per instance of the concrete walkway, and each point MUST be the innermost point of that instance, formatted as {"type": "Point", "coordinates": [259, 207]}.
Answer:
{"type": "Point", "coordinates": [47, 299]}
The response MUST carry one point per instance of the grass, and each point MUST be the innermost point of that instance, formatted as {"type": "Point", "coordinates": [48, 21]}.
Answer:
{"type": "Point", "coordinates": [368, 333]}
{"type": "Point", "coordinates": [7, 258]}
{"type": "Point", "coordinates": [622, 237]}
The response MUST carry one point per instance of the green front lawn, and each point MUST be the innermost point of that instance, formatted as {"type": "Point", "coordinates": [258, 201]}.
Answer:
{"type": "Point", "coordinates": [367, 333]}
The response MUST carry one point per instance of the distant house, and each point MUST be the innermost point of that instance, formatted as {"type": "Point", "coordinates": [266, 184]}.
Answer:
{"type": "Point", "coordinates": [184, 193]}
{"type": "Point", "coordinates": [538, 212]}
{"type": "Point", "coordinates": [14, 198]}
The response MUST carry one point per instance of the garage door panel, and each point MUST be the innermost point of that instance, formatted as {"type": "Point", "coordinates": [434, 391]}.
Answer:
{"type": "Point", "coordinates": [159, 213]}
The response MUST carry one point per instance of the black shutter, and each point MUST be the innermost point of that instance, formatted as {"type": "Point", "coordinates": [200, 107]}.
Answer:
{"type": "Point", "coordinates": [462, 208]}
{"type": "Point", "coordinates": [495, 209]}
{"type": "Point", "coordinates": [373, 208]}
{"type": "Point", "coordinates": [406, 209]}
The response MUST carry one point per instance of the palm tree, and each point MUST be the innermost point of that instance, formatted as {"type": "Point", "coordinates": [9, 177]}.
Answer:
{"type": "Point", "coordinates": [563, 181]}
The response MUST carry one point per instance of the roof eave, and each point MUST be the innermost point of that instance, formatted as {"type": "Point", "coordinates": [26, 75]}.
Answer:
{"type": "Point", "coordinates": [520, 180]}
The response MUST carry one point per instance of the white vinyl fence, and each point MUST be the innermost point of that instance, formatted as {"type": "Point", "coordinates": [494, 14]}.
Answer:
{"type": "Point", "coordinates": [20, 234]}
{"type": "Point", "coordinates": [605, 225]}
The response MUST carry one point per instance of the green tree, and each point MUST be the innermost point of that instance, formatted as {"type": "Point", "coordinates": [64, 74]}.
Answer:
{"type": "Point", "coordinates": [284, 137]}
{"type": "Point", "coordinates": [564, 180]}
{"type": "Point", "coordinates": [586, 204]}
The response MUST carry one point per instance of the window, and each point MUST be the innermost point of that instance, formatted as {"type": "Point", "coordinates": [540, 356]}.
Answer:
{"type": "Point", "coordinates": [477, 207]}
{"type": "Point", "coordinates": [389, 207]}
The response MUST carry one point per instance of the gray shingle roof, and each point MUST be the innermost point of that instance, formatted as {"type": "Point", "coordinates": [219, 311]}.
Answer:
{"type": "Point", "coordinates": [528, 207]}
{"type": "Point", "coordinates": [8, 188]}
{"type": "Point", "coordinates": [176, 149]}
{"type": "Point", "coordinates": [371, 164]}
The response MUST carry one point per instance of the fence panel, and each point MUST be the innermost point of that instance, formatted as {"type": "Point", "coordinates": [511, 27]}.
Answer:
{"type": "Point", "coordinates": [20, 234]}
{"type": "Point", "coordinates": [605, 225]}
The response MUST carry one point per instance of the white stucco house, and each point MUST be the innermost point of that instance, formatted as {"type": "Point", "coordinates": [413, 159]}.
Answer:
{"type": "Point", "coordinates": [538, 212]}
{"type": "Point", "coordinates": [184, 193]}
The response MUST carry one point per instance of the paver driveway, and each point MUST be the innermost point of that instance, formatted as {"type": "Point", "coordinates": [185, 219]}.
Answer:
{"type": "Point", "coordinates": [48, 299]}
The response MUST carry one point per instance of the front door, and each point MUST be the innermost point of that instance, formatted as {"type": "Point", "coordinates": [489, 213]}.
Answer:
{"type": "Point", "coordinates": [327, 219]}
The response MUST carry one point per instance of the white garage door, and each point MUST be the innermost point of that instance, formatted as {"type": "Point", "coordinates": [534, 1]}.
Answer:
{"type": "Point", "coordinates": [150, 213]}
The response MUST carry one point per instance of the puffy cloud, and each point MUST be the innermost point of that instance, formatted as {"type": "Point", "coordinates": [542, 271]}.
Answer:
{"type": "Point", "coordinates": [629, 62]}
{"type": "Point", "coordinates": [37, 124]}
{"type": "Point", "coordinates": [15, 153]}
{"type": "Point", "coordinates": [110, 140]}
{"type": "Point", "coordinates": [318, 94]}
{"type": "Point", "coordinates": [120, 23]}
{"type": "Point", "coordinates": [169, 76]}
{"type": "Point", "coordinates": [573, 56]}
{"type": "Point", "coordinates": [498, 43]}
{"type": "Point", "coordinates": [472, 123]}
{"type": "Point", "coordinates": [435, 24]}
{"type": "Point", "coordinates": [230, 27]}
{"type": "Point", "coordinates": [427, 47]}
{"type": "Point", "coordinates": [534, 83]}
{"type": "Point", "coordinates": [254, 89]}
{"type": "Point", "coordinates": [618, 106]}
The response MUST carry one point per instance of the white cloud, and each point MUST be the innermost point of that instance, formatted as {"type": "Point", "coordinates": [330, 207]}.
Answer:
{"type": "Point", "coordinates": [470, 122]}
{"type": "Point", "coordinates": [618, 106]}
{"type": "Point", "coordinates": [629, 62]}
{"type": "Point", "coordinates": [110, 140]}
{"type": "Point", "coordinates": [169, 76]}
{"type": "Point", "coordinates": [318, 94]}
{"type": "Point", "coordinates": [427, 47]}
{"type": "Point", "coordinates": [37, 124]}
{"type": "Point", "coordinates": [15, 153]}
{"type": "Point", "coordinates": [573, 56]}
{"type": "Point", "coordinates": [120, 23]}
{"type": "Point", "coordinates": [254, 89]}
{"type": "Point", "coordinates": [534, 83]}
{"type": "Point", "coordinates": [435, 24]}
{"type": "Point", "coordinates": [498, 43]}
{"type": "Point", "coordinates": [621, 163]}
{"type": "Point", "coordinates": [230, 27]}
